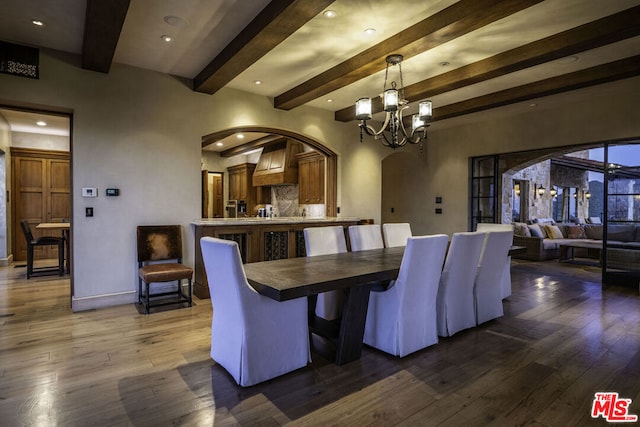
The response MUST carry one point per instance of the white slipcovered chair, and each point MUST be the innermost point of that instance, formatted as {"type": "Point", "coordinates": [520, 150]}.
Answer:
{"type": "Point", "coordinates": [253, 337]}
{"type": "Point", "coordinates": [396, 234]}
{"type": "Point", "coordinates": [505, 278]}
{"type": "Point", "coordinates": [402, 319]}
{"type": "Point", "coordinates": [488, 287]}
{"type": "Point", "coordinates": [455, 304]}
{"type": "Point", "coordinates": [363, 237]}
{"type": "Point", "coordinates": [324, 241]}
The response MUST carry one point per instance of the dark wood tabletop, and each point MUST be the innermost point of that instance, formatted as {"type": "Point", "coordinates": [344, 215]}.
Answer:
{"type": "Point", "coordinates": [355, 272]}
{"type": "Point", "coordinates": [290, 278]}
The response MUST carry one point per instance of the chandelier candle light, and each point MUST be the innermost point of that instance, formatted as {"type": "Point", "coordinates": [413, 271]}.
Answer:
{"type": "Point", "coordinates": [394, 104]}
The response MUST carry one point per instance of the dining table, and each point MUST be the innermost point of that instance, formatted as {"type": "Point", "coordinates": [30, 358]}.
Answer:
{"type": "Point", "coordinates": [65, 229]}
{"type": "Point", "coordinates": [357, 273]}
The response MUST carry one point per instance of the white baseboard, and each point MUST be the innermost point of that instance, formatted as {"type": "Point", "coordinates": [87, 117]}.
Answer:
{"type": "Point", "coordinates": [101, 301]}
{"type": "Point", "coordinates": [5, 262]}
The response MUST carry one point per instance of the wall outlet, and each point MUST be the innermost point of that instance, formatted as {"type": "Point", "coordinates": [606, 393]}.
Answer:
{"type": "Point", "coordinates": [88, 212]}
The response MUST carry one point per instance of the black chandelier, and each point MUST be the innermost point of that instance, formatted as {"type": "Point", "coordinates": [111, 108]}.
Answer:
{"type": "Point", "coordinates": [393, 133]}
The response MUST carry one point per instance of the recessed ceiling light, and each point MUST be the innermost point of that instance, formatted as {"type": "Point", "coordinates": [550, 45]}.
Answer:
{"type": "Point", "coordinates": [37, 23]}
{"type": "Point", "coordinates": [240, 136]}
{"type": "Point", "coordinates": [370, 31]}
{"type": "Point", "coordinates": [219, 144]}
{"type": "Point", "coordinates": [166, 38]}
{"type": "Point", "coordinates": [176, 21]}
{"type": "Point", "coordinates": [329, 13]}
{"type": "Point", "coordinates": [329, 100]}
{"type": "Point", "coordinates": [41, 123]}
{"type": "Point", "coordinates": [568, 59]}
{"type": "Point", "coordinates": [444, 63]}
{"type": "Point", "coordinates": [258, 82]}
{"type": "Point", "coordinates": [533, 105]}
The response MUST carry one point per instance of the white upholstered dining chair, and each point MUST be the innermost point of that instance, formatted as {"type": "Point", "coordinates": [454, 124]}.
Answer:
{"type": "Point", "coordinates": [363, 237]}
{"type": "Point", "coordinates": [505, 278]}
{"type": "Point", "coordinates": [487, 292]}
{"type": "Point", "coordinates": [402, 319]}
{"type": "Point", "coordinates": [253, 337]}
{"type": "Point", "coordinates": [396, 234]}
{"type": "Point", "coordinates": [455, 304]}
{"type": "Point", "coordinates": [325, 241]}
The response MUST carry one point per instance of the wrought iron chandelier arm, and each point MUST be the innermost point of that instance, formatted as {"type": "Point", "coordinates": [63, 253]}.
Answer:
{"type": "Point", "coordinates": [370, 130]}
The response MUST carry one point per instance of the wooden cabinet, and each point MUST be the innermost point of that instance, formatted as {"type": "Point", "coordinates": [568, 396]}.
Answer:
{"type": "Point", "coordinates": [310, 178]}
{"type": "Point", "coordinates": [240, 186]}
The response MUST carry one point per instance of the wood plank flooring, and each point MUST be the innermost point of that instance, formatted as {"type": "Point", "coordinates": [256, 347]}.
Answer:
{"type": "Point", "coordinates": [562, 339]}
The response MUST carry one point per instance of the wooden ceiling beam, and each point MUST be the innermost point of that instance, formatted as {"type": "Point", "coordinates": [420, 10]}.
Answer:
{"type": "Point", "coordinates": [102, 27]}
{"type": "Point", "coordinates": [456, 20]}
{"type": "Point", "coordinates": [251, 145]}
{"type": "Point", "coordinates": [620, 26]}
{"type": "Point", "coordinates": [617, 70]}
{"type": "Point", "coordinates": [277, 21]}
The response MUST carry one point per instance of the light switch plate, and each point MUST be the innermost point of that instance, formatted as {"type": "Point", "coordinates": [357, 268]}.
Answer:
{"type": "Point", "coordinates": [89, 192]}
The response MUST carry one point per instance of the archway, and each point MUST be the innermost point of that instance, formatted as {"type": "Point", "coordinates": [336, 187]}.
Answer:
{"type": "Point", "coordinates": [331, 158]}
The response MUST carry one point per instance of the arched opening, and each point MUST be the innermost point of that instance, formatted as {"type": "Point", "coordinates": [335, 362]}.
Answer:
{"type": "Point", "coordinates": [331, 158]}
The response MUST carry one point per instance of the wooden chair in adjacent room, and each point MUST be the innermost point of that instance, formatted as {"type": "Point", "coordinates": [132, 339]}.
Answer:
{"type": "Point", "coordinates": [160, 262]}
{"type": "Point", "coordinates": [32, 243]}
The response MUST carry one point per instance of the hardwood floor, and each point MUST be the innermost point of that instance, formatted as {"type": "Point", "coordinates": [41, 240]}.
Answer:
{"type": "Point", "coordinates": [561, 340]}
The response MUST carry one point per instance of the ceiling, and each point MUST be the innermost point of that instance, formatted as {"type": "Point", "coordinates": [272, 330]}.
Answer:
{"type": "Point", "coordinates": [466, 56]}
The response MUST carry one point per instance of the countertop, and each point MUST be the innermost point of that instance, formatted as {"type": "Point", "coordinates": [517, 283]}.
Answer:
{"type": "Point", "coordinates": [275, 220]}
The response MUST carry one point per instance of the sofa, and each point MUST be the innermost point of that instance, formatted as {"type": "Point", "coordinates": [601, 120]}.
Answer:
{"type": "Point", "coordinates": [543, 239]}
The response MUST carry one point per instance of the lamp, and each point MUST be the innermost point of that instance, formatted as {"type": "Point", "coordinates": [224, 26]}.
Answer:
{"type": "Point", "coordinates": [541, 190]}
{"type": "Point", "coordinates": [553, 192]}
{"type": "Point", "coordinates": [587, 194]}
{"type": "Point", "coordinates": [394, 104]}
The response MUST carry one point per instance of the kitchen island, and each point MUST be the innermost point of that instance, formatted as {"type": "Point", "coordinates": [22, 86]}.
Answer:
{"type": "Point", "coordinates": [259, 239]}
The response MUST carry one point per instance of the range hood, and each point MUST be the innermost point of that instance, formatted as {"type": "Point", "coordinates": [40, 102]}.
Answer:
{"type": "Point", "coordinates": [278, 164]}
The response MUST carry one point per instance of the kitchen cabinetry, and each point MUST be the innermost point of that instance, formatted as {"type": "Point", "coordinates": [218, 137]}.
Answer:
{"type": "Point", "coordinates": [240, 187]}
{"type": "Point", "coordinates": [310, 178]}
{"type": "Point", "coordinates": [258, 240]}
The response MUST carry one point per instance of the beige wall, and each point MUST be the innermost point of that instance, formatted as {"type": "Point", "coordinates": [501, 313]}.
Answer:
{"type": "Point", "coordinates": [600, 113]}
{"type": "Point", "coordinates": [141, 132]}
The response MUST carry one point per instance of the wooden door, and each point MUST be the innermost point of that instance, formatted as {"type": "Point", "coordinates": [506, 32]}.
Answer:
{"type": "Point", "coordinates": [205, 193]}
{"type": "Point", "coordinates": [218, 196]}
{"type": "Point", "coordinates": [41, 193]}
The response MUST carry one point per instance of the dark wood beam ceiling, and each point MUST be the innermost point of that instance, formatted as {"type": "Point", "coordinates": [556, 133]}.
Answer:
{"type": "Point", "coordinates": [626, 172]}
{"type": "Point", "coordinates": [621, 69]}
{"type": "Point", "coordinates": [102, 27]}
{"type": "Point", "coordinates": [620, 26]}
{"type": "Point", "coordinates": [277, 21]}
{"type": "Point", "coordinates": [250, 146]}
{"type": "Point", "coordinates": [454, 21]}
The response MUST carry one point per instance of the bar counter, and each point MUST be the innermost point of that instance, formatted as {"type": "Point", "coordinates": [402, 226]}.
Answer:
{"type": "Point", "coordinates": [259, 239]}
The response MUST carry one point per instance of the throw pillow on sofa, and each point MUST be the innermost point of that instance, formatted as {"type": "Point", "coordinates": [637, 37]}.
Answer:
{"type": "Point", "coordinates": [521, 229]}
{"type": "Point", "coordinates": [575, 232]}
{"type": "Point", "coordinates": [553, 231]}
{"type": "Point", "coordinates": [536, 231]}
{"type": "Point", "coordinates": [593, 231]}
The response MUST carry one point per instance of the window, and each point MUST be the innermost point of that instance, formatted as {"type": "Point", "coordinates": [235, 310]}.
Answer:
{"type": "Point", "coordinates": [483, 190]}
